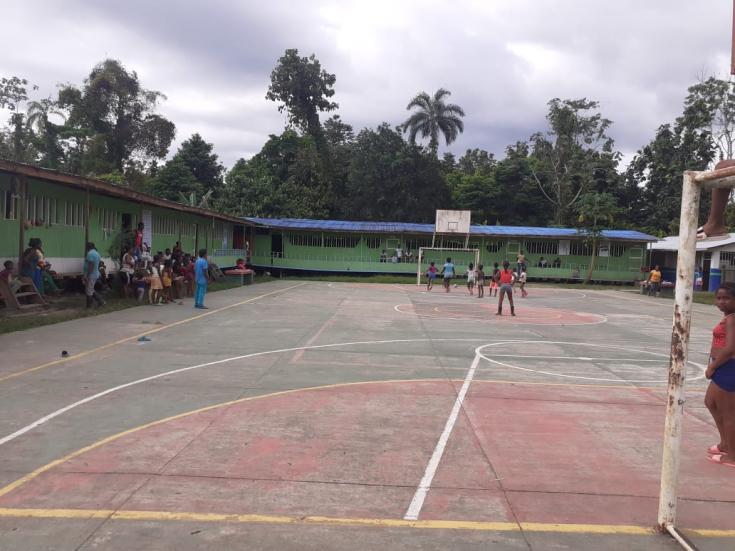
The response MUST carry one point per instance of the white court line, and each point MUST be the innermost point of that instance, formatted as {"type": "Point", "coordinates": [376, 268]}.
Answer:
{"type": "Point", "coordinates": [569, 376]}
{"type": "Point", "coordinates": [58, 412]}
{"type": "Point", "coordinates": [582, 358]}
{"type": "Point", "coordinates": [414, 508]}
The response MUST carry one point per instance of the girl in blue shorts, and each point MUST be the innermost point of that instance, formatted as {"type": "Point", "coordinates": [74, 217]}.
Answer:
{"type": "Point", "coordinates": [430, 276]}
{"type": "Point", "coordinates": [720, 397]}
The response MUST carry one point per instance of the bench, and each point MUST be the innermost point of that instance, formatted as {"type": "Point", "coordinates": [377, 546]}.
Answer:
{"type": "Point", "coordinates": [243, 274]}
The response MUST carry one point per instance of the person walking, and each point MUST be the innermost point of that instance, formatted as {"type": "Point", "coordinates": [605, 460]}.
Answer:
{"type": "Point", "coordinates": [92, 275]}
{"type": "Point", "coordinates": [201, 278]}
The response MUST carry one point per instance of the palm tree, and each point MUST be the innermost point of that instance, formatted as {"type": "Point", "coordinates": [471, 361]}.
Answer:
{"type": "Point", "coordinates": [434, 116]}
{"type": "Point", "coordinates": [38, 114]}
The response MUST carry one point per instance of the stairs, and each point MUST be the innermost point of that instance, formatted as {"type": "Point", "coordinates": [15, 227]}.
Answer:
{"type": "Point", "coordinates": [25, 298]}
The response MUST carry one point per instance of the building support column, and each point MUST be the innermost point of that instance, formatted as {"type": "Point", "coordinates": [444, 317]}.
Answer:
{"type": "Point", "coordinates": [715, 274]}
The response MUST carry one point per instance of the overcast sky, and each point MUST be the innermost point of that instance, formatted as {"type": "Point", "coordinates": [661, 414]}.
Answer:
{"type": "Point", "coordinates": [501, 59]}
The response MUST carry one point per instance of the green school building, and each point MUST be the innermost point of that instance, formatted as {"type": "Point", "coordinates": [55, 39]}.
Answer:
{"type": "Point", "coordinates": [372, 247]}
{"type": "Point", "coordinates": [65, 211]}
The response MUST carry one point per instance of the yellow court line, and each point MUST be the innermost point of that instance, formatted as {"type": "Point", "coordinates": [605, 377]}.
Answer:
{"type": "Point", "coordinates": [134, 337]}
{"type": "Point", "coordinates": [486, 526]}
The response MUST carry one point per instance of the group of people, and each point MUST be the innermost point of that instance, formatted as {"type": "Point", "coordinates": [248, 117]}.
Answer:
{"type": "Point", "coordinates": [501, 279]}
{"type": "Point", "coordinates": [33, 266]}
{"type": "Point", "coordinates": [399, 256]}
{"type": "Point", "coordinates": [164, 277]}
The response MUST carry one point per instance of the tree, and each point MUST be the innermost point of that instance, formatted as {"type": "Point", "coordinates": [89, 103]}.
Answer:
{"type": "Point", "coordinates": [570, 152]}
{"type": "Point", "coordinates": [13, 91]}
{"type": "Point", "coordinates": [303, 88]}
{"type": "Point", "coordinates": [710, 108]}
{"type": "Point", "coordinates": [46, 132]}
{"type": "Point", "coordinates": [174, 179]}
{"type": "Point", "coordinates": [204, 165]}
{"type": "Point", "coordinates": [390, 179]}
{"type": "Point", "coordinates": [477, 161]}
{"type": "Point", "coordinates": [596, 212]}
{"type": "Point", "coordinates": [476, 192]}
{"type": "Point", "coordinates": [111, 121]}
{"type": "Point", "coordinates": [432, 117]}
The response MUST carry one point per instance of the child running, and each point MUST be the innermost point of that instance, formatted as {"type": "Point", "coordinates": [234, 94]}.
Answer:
{"type": "Point", "coordinates": [447, 274]}
{"type": "Point", "coordinates": [471, 276]}
{"type": "Point", "coordinates": [430, 276]}
{"type": "Point", "coordinates": [494, 280]}
{"type": "Point", "coordinates": [480, 282]}
{"type": "Point", "coordinates": [506, 279]}
{"type": "Point", "coordinates": [720, 396]}
{"type": "Point", "coordinates": [522, 281]}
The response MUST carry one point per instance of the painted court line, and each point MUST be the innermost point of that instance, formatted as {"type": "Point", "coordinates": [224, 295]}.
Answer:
{"type": "Point", "coordinates": [135, 337]}
{"type": "Point", "coordinates": [419, 497]}
{"type": "Point", "coordinates": [61, 411]}
{"type": "Point", "coordinates": [484, 526]}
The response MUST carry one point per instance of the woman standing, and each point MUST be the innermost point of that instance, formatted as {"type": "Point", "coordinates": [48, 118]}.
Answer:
{"type": "Point", "coordinates": [506, 279]}
{"type": "Point", "coordinates": [720, 396]}
{"type": "Point", "coordinates": [31, 263]}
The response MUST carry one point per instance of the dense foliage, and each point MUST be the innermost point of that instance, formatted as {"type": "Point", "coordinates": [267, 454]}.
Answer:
{"type": "Point", "coordinates": [568, 173]}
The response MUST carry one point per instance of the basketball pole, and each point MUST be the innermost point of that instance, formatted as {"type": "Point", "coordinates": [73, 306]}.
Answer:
{"type": "Point", "coordinates": [684, 295]}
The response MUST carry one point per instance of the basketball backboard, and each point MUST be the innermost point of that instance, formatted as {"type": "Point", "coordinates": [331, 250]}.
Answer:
{"type": "Point", "coordinates": [453, 221]}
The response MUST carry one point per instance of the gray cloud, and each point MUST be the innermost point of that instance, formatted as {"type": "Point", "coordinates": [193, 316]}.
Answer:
{"type": "Point", "coordinates": [502, 60]}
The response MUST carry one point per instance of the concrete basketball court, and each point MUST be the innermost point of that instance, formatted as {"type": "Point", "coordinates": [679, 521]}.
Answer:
{"type": "Point", "coordinates": [314, 415]}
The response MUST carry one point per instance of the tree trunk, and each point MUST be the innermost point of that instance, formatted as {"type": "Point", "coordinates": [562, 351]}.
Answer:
{"type": "Point", "coordinates": [592, 262]}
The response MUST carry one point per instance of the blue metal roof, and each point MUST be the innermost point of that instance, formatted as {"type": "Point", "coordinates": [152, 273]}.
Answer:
{"type": "Point", "coordinates": [405, 227]}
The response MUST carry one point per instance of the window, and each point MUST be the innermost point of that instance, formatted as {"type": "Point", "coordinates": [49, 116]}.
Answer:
{"type": "Point", "coordinates": [450, 244]}
{"type": "Point", "coordinates": [341, 241]}
{"type": "Point", "coordinates": [305, 239]}
{"type": "Point", "coordinates": [636, 253]}
{"type": "Point", "coordinates": [52, 212]}
{"type": "Point", "coordinates": [372, 242]}
{"type": "Point", "coordinates": [727, 258]}
{"type": "Point", "coordinates": [542, 247]}
{"type": "Point", "coordinates": [415, 244]}
{"type": "Point", "coordinates": [514, 247]}
{"type": "Point", "coordinates": [616, 249]}
{"type": "Point", "coordinates": [493, 246]}
{"type": "Point", "coordinates": [10, 205]}
{"type": "Point", "coordinates": [580, 248]}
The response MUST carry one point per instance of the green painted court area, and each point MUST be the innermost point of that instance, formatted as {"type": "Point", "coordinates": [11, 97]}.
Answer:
{"type": "Point", "coordinates": [317, 415]}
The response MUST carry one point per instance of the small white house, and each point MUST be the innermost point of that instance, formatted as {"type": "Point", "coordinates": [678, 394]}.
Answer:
{"type": "Point", "coordinates": [715, 259]}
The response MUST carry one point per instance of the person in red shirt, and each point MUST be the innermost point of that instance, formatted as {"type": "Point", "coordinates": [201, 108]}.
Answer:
{"type": "Point", "coordinates": [138, 242]}
{"type": "Point", "coordinates": [506, 279]}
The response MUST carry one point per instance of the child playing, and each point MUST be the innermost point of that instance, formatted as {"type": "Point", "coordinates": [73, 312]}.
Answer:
{"type": "Point", "coordinates": [167, 280]}
{"type": "Point", "coordinates": [494, 281]}
{"type": "Point", "coordinates": [522, 281]}
{"type": "Point", "coordinates": [480, 282]}
{"type": "Point", "coordinates": [7, 276]}
{"type": "Point", "coordinates": [720, 396]}
{"type": "Point", "coordinates": [156, 286]}
{"type": "Point", "coordinates": [471, 276]}
{"type": "Point", "coordinates": [506, 279]}
{"type": "Point", "coordinates": [448, 273]}
{"type": "Point", "coordinates": [430, 276]}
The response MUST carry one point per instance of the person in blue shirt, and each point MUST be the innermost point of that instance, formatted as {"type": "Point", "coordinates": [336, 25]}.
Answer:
{"type": "Point", "coordinates": [201, 278]}
{"type": "Point", "coordinates": [448, 273]}
{"type": "Point", "coordinates": [92, 275]}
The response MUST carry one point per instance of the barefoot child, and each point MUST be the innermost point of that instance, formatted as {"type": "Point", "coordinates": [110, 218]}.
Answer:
{"type": "Point", "coordinates": [720, 396]}
{"type": "Point", "coordinates": [430, 276]}
{"type": "Point", "coordinates": [480, 282]}
{"type": "Point", "coordinates": [471, 276]}
{"type": "Point", "coordinates": [522, 281]}
{"type": "Point", "coordinates": [506, 279]}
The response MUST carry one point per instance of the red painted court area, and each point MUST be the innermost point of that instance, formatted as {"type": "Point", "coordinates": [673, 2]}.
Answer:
{"type": "Point", "coordinates": [485, 311]}
{"type": "Point", "coordinates": [519, 452]}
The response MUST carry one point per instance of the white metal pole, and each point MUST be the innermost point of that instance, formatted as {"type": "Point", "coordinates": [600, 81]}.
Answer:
{"type": "Point", "coordinates": [684, 292]}
{"type": "Point", "coordinates": [418, 268]}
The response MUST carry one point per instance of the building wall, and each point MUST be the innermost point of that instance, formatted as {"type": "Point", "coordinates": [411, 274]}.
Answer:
{"type": "Point", "coordinates": [354, 252]}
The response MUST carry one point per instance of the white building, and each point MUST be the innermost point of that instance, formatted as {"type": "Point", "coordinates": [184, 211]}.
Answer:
{"type": "Point", "coordinates": [715, 259]}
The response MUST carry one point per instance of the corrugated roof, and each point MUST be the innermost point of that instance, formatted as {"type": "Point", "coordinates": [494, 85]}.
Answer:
{"type": "Point", "coordinates": [405, 227]}
{"type": "Point", "coordinates": [671, 243]}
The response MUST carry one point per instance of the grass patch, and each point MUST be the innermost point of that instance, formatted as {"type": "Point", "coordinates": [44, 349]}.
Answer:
{"type": "Point", "coordinates": [71, 306]}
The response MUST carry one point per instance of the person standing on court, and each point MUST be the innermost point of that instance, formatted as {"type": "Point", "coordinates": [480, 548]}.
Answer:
{"type": "Point", "coordinates": [201, 278]}
{"type": "Point", "coordinates": [448, 273]}
{"type": "Point", "coordinates": [521, 262]}
{"type": "Point", "coordinates": [506, 279]}
{"type": "Point", "coordinates": [92, 275]}
{"type": "Point", "coordinates": [720, 396]}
